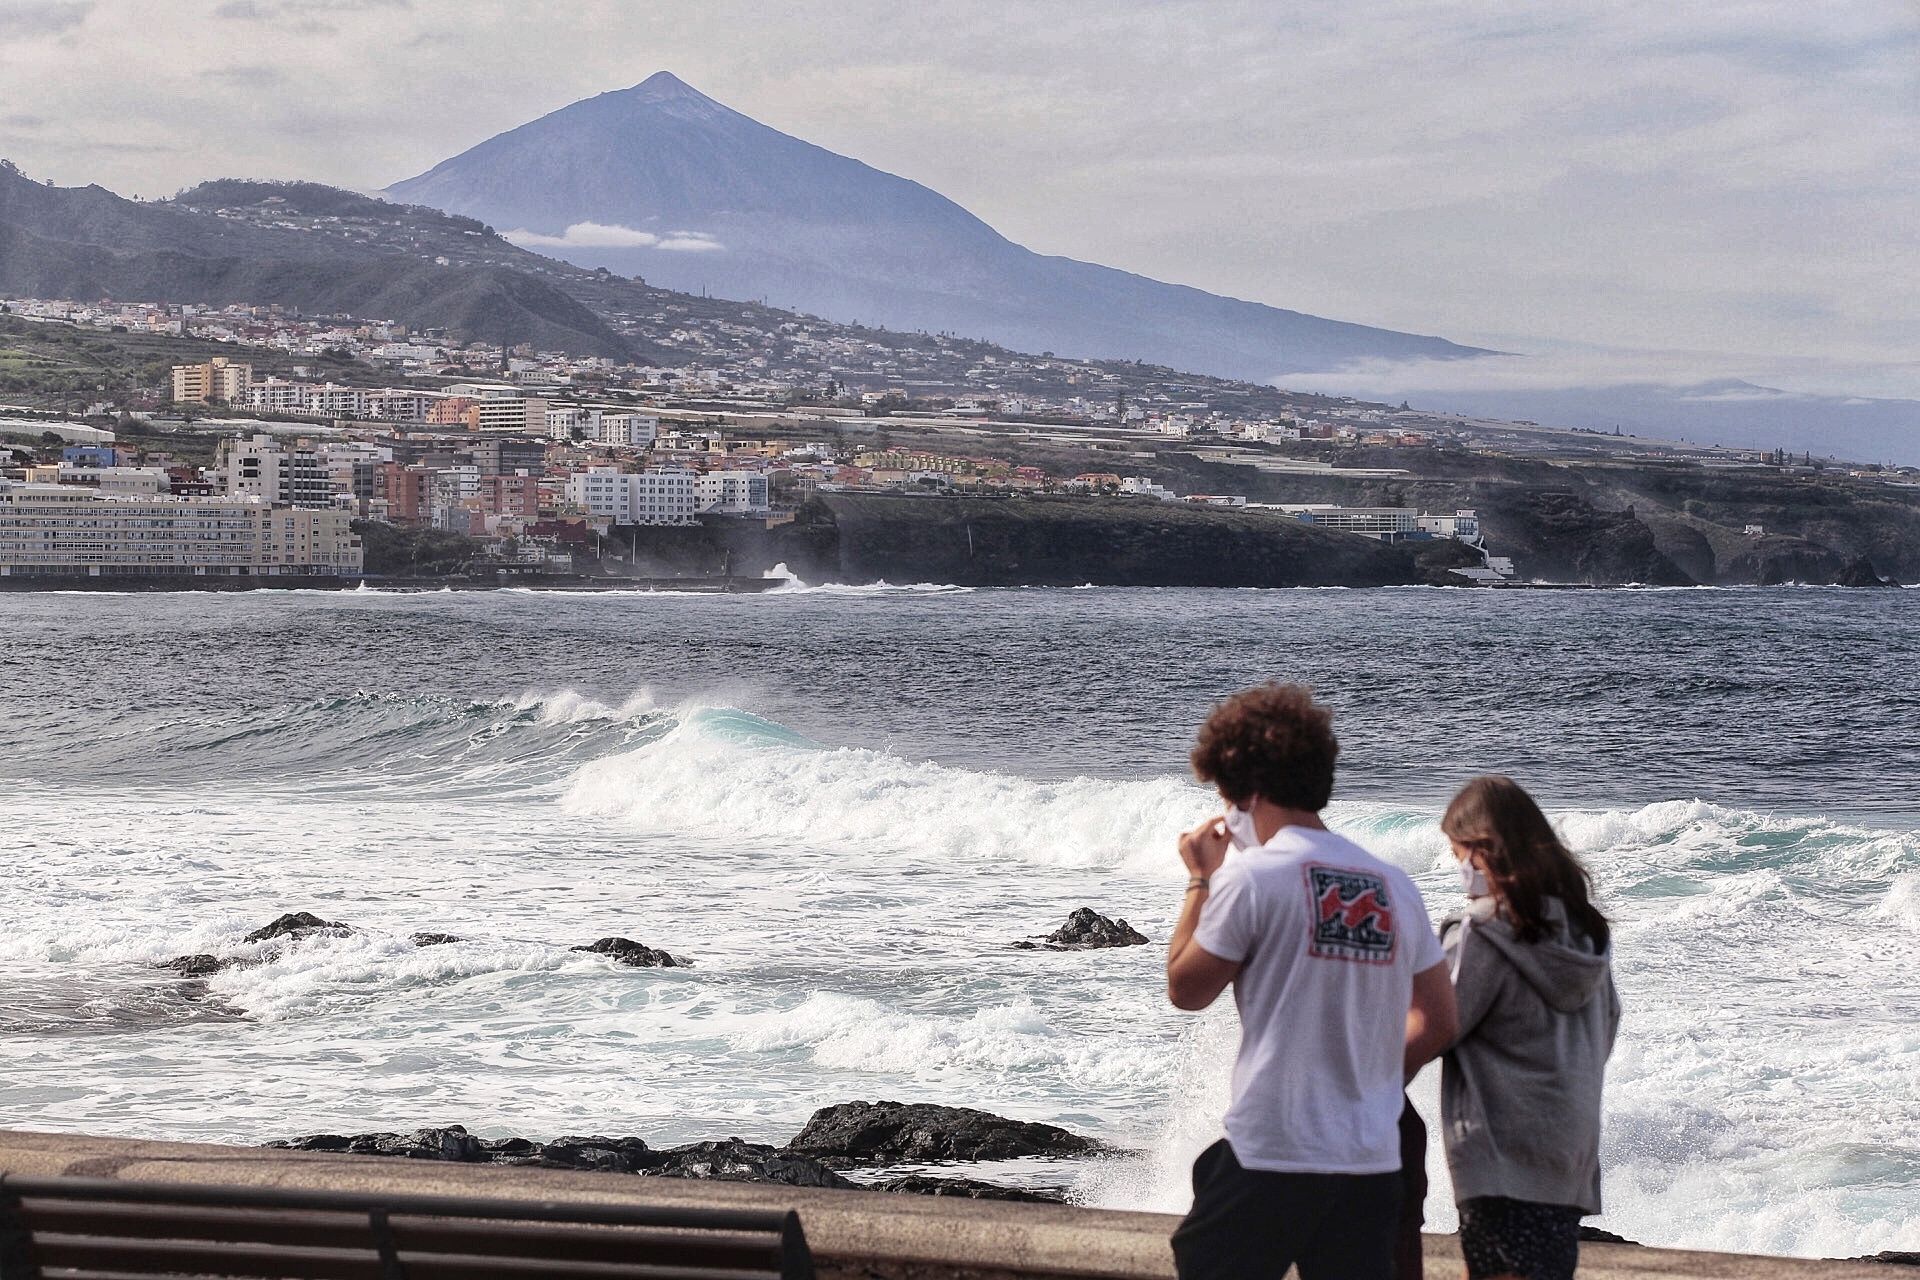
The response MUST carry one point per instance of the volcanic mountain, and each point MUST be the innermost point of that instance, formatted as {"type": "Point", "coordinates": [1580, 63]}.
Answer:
{"type": "Point", "coordinates": [663, 182]}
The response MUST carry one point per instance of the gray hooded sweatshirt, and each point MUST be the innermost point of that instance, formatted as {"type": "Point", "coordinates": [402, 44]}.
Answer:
{"type": "Point", "coordinates": [1520, 1089]}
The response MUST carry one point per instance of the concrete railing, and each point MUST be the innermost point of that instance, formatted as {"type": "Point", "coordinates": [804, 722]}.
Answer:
{"type": "Point", "coordinates": [855, 1235]}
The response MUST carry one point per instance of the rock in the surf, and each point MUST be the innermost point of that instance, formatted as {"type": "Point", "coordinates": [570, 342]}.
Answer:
{"type": "Point", "coordinates": [432, 939]}
{"type": "Point", "coordinates": [640, 956]}
{"type": "Point", "coordinates": [735, 1161]}
{"type": "Point", "coordinates": [296, 924]}
{"type": "Point", "coordinates": [1087, 930]}
{"type": "Point", "coordinates": [194, 966]}
{"type": "Point", "coordinates": [896, 1132]}
{"type": "Point", "coordinates": [921, 1184]}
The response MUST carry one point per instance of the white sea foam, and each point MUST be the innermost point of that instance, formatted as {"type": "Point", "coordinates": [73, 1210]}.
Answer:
{"type": "Point", "coordinates": [727, 773]}
{"type": "Point", "coordinates": [857, 1034]}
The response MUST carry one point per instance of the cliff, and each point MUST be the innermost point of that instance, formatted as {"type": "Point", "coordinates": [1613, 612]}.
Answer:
{"type": "Point", "coordinates": [1044, 541]}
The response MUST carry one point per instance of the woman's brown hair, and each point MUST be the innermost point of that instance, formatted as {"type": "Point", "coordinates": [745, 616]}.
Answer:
{"type": "Point", "coordinates": [1523, 858]}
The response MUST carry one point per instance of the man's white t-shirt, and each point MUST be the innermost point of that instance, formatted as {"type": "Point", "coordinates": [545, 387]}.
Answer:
{"type": "Point", "coordinates": [1328, 938]}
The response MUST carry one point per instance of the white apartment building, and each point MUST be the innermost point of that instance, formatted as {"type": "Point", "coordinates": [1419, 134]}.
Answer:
{"type": "Point", "coordinates": [392, 405]}
{"type": "Point", "coordinates": [733, 493]}
{"type": "Point", "coordinates": [334, 400]}
{"type": "Point", "coordinates": [504, 413]}
{"type": "Point", "coordinates": [562, 419]}
{"type": "Point", "coordinates": [264, 468]}
{"type": "Point", "coordinates": [626, 430]}
{"type": "Point", "coordinates": [645, 497]}
{"type": "Point", "coordinates": [275, 393]}
{"type": "Point", "coordinates": [64, 530]}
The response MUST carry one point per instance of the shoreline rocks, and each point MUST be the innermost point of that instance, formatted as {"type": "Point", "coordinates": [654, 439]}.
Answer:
{"type": "Point", "coordinates": [922, 1184]}
{"type": "Point", "coordinates": [1086, 930]}
{"type": "Point", "coordinates": [854, 1134]}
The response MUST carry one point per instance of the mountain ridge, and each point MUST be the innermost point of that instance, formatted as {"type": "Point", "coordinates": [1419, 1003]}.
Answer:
{"type": "Point", "coordinates": [90, 242]}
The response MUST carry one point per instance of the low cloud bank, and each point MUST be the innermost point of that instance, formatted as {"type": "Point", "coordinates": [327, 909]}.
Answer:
{"type": "Point", "coordinates": [605, 235]}
{"type": "Point", "coordinates": [1687, 375]}
{"type": "Point", "coordinates": [1869, 412]}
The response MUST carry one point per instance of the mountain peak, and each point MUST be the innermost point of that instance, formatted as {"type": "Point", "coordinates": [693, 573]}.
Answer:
{"type": "Point", "coordinates": [663, 86]}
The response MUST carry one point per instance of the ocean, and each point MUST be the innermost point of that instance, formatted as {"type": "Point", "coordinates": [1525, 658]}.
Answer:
{"type": "Point", "coordinates": [843, 804]}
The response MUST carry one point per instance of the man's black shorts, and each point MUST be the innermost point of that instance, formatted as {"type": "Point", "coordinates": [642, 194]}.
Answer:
{"type": "Point", "coordinates": [1248, 1224]}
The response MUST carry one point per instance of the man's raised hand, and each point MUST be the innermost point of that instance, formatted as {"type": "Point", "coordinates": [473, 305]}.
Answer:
{"type": "Point", "coordinates": [1204, 848]}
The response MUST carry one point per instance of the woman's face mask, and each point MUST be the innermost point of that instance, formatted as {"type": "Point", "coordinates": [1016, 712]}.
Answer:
{"type": "Point", "coordinates": [1240, 828]}
{"type": "Point", "coordinates": [1474, 880]}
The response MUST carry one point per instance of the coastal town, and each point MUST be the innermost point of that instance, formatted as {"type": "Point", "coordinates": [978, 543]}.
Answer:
{"type": "Point", "coordinates": [536, 462]}
{"type": "Point", "coordinates": [278, 459]}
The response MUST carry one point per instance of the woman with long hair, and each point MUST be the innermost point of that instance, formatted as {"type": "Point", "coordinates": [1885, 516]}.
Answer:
{"type": "Point", "coordinates": [1531, 959]}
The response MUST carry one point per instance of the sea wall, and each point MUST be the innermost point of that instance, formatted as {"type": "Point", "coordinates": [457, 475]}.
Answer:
{"type": "Point", "coordinates": [855, 1235]}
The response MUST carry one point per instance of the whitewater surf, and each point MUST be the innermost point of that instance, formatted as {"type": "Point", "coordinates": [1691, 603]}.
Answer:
{"type": "Point", "coordinates": [844, 808]}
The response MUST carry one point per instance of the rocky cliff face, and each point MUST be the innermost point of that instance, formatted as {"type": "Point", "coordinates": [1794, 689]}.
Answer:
{"type": "Point", "coordinates": [1041, 541]}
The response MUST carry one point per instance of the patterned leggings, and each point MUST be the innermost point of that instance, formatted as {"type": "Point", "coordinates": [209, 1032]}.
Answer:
{"type": "Point", "coordinates": [1502, 1237]}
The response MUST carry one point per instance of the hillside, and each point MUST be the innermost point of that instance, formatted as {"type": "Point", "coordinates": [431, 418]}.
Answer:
{"type": "Point", "coordinates": [86, 242]}
{"type": "Point", "coordinates": [664, 182]}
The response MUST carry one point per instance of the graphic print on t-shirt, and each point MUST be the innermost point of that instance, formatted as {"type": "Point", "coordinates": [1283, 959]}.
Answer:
{"type": "Point", "coordinates": [1352, 918]}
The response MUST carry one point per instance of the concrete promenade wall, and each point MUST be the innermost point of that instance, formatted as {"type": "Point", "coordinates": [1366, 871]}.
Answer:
{"type": "Point", "coordinates": [855, 1235]}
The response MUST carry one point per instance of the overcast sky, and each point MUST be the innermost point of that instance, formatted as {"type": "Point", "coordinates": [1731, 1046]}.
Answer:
{"type": "Point", "coordinates": [1733, 177]}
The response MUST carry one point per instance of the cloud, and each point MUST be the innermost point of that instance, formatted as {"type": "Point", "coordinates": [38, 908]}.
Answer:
{"type": "Point", "coordinates": [29, 19]}
{"type": "Point", "coordinates": [305, 10]}
{"type": "Point", "coordinates": [601, 235]}
{"type": "Point", "coordinates": [245, 77]}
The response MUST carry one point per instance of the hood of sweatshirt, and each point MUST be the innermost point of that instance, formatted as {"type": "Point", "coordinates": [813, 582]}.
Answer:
{"type": "Point", "coordinates": [1563, 966]}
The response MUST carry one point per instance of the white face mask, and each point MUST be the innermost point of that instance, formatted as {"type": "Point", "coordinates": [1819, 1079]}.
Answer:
{"type": "Point", "coordinates": [1240, 828]}
{"type": "Point", "coordinates": [1474, 880]}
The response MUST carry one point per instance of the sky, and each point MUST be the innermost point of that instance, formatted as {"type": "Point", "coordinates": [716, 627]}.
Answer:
{"type": "Point", "coordinates": [1627, 185]}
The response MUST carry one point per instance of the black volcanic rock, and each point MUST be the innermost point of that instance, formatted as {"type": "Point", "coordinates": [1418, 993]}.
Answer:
{"type": "Point", "coordinates": [452, 1143]}
{"type": "Point", "coordinates": [432, 939]}
{"type": "Point", "coordinates": [1088, 930]}
{"type": "Point", "coordinates": [1859, 572]}
{"type": "Point", "coordinates": [735, 1161]}
{"type": "Point", "coordinates": [629, 952]}
{"type": "Point", "coordinates": [895, 1132]}
{"type": "Point", "coordinates": [921, 1184]}
{"type": "Point", "coordinates": [728, 1161]}
{"type": "Point", "coordinates": [296, 924]}
{"type": "Point", "coordinates": [714, 202]}
{"type": "Point", "coordinates": [194, 966]}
